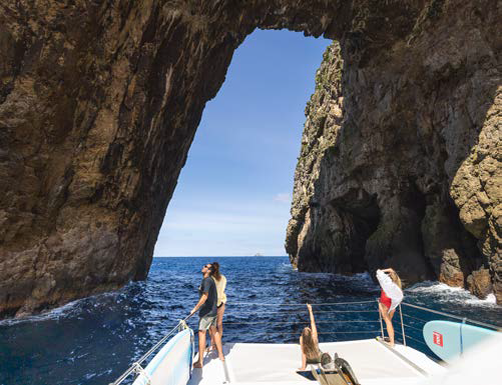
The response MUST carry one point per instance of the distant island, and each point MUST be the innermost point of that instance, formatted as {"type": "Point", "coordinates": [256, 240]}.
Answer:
{"type": "Point", "coordinates": [258, 255]}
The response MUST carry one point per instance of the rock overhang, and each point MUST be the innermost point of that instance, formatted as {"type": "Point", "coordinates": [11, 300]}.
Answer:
{"type": "Point", "coordinates": [99, 105]}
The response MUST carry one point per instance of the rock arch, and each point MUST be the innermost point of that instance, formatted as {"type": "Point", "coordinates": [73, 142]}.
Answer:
{"type": "Point", "coordinates": [99, 102]}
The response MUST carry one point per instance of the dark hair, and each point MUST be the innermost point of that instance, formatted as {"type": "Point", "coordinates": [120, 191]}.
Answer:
{"type": "Point", "coordinates": [215, 270]}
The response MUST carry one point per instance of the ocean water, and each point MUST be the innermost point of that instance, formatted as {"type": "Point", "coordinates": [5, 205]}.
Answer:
{"type": "Point", "coordinates": [93, 340]}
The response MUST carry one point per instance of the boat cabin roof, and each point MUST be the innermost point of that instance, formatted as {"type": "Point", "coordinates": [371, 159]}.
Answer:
{"type": "Point", "coordinates": [372, 361]}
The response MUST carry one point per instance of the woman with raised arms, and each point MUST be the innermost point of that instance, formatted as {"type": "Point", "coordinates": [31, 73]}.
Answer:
{"type": "Point", "coordinates": [390, 297]}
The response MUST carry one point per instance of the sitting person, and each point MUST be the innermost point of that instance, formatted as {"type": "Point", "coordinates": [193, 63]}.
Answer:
{"type": "Point", "coordinates": [309, 343]}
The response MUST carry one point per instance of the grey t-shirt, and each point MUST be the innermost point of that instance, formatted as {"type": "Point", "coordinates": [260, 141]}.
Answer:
{"type": "Point", "coordinates": [209, 307]}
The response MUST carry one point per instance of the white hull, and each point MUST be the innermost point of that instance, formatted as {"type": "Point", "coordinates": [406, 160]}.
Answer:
{"type": "Point", "coordinates": [372, 361]}
{"type": "Point", "coordinates": [171, 365]}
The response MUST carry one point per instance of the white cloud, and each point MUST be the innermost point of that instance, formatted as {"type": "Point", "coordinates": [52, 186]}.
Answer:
{"type": "Point", "coordinates": [282, 197]}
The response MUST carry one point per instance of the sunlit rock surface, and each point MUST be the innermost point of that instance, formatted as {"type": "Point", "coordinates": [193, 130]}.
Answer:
{"type": "Point", "coordinates": [99, 103]}
{"type": "Point", "coordinates": [400, 158]}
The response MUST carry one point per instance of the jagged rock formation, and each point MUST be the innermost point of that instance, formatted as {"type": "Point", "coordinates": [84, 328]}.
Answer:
{"type": "Point", "coordinates": [99, 102]}
{"type": "Point", "coordinates": [400, 159]}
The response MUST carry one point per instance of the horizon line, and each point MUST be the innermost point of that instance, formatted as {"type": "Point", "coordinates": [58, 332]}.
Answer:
{"type": "Point", "coordinates": [218, 256]}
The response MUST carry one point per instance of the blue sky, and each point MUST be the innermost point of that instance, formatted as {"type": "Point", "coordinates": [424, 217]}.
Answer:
{"type": "Point", "coordinates": [234, 193]}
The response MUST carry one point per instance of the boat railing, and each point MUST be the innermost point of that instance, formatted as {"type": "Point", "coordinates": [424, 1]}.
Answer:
{"type": "Point", "coordinates": [409, 326]}
{"type": "Point", "coordinates": [412, 324]}
{"type": "Point", "coordinates": [136, 367]}
{"type": "Point", "coordinates": [260, 314]}
{"type": "Point", "coordinates": [453, 316]}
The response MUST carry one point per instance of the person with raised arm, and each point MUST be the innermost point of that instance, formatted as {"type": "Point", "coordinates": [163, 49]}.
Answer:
{"type": "Point", "coordinates": [309, 344]}
{"type": "Point", "coordinates": [390, 297]}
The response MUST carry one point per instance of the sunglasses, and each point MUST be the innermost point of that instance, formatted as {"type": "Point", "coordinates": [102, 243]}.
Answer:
{"type": "Point", "coordinates": [207, 266]}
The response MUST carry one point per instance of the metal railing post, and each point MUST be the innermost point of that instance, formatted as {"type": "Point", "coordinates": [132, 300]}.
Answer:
{"type": "Point", "coordinates": [380, 317]}
{"type": "Point", "coordinates": [402, 324]}
{"type": "Point", "coordinates": [462, 337]}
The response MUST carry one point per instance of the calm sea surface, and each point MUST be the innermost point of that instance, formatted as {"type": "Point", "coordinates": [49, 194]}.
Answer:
{"type": "Point", "coordinates": [93, 340]}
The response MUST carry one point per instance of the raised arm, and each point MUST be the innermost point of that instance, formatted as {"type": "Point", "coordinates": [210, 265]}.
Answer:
{"type": "Point", "coordinates": [312, 322]}
{"type": "Point", "coordinates": [392, 291]}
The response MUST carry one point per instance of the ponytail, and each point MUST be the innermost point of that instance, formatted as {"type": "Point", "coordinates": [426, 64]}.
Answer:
{"type": "Point", "coordinates": [215, 271]}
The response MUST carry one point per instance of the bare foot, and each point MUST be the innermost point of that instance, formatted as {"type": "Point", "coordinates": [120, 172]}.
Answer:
{"type": "Point", "coordinates": [222, 358]}
{"type": "Point", "coordinates": [197, 365]}
{"type": "Point", "coordinates": [301, 369]}
{"type": "Point", "coordinates": [210, 348]}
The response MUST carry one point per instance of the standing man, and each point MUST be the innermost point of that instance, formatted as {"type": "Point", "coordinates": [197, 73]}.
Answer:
{"type": "Point", "coordinates": [207, 313]}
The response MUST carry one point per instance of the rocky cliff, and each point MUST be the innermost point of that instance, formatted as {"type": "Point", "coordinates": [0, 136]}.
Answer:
{"type": "Point", "coordinates": [400, 157]}
{"type": "Point", "coordinates": [99, 103]}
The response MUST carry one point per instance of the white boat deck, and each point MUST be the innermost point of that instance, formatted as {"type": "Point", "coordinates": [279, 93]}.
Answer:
{"type": "Point", "coordinates": [372, 362]}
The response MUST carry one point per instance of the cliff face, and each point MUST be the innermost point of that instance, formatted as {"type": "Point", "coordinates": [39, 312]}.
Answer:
{"type": "Point", "coordinates": [401, 151]}
{"type": "Point", "coordinates": [99, 103]}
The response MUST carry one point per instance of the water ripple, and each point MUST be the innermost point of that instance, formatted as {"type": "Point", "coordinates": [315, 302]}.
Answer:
{"type": "Point", "coordinates": [93, 340]}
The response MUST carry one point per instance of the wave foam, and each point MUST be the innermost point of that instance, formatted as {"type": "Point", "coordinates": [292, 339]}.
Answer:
{"type": "Point", "coordinates": [450, 294]}
{"type": "Point", "coordinates": [67, 310]}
